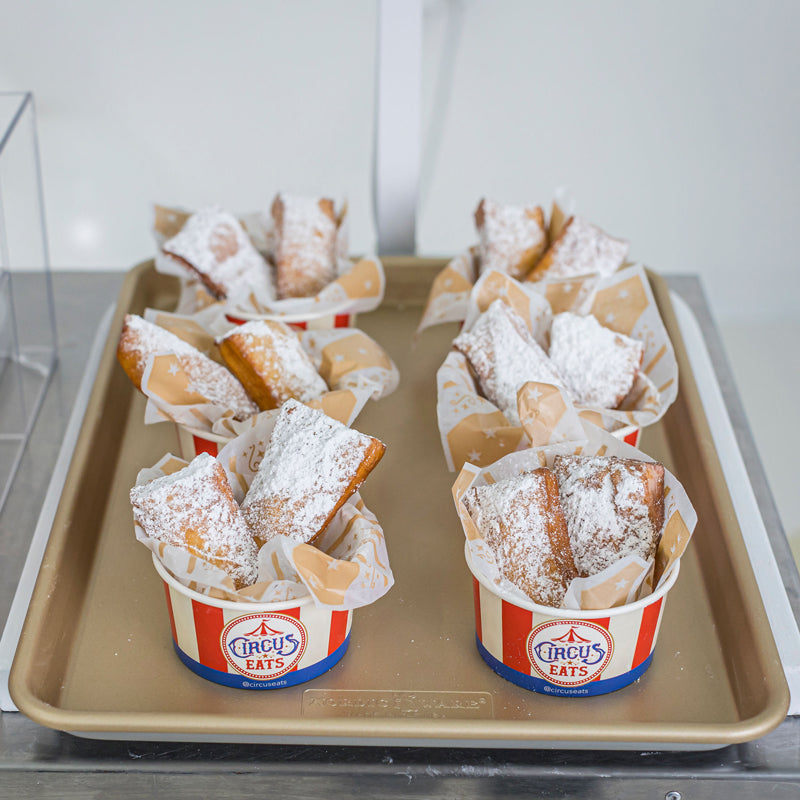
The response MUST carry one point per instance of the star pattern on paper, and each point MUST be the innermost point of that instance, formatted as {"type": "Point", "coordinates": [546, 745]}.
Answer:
{"type": "Point", "coordinates": [362, 351]}
{"type": "Point", "coordinates": [502, 291]}
{"type": "Point", "coordinates": [448, 282]}
{"type": "Point", "coordinates": [338, 357]}
{"type": "Point", "coordinates": [622, 583]}
{"type": "Point", "coordinates": [533, 394]}
{"type": "Point", "coordinates": [566, 288]}
{"type": "Point", "coordinates": [489, 433]}
{"type": "Point", "coordinates": [174, 368]}
{"type": "Point", "coordinates": [623, 293]}
{"type": "Point", "coordinates": [473, 455]}
{"type": "Point", "coordinates": [367, 284]}
{"type": "Point", "coordinates": [610, 317]}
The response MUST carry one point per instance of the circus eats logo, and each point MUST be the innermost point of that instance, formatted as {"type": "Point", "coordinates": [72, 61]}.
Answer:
{"type": "Point", "coordinates": [264, 646]}
{"type": "Point", "coordinates": [569, 652]}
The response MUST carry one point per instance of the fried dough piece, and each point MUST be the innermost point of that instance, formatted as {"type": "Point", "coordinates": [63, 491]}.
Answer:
{"type": "Point", "coordinates": [305, 248]}
{"type": "Point", "coordinates": [268, 359]}
{"type": "Point", "coordinates": [311, 465]}
{"type": "Point", "coordinates": [213, 246]}
{"type": "Point", "coordinates": [512, 238]}
{"type": "Point", "coordinates": [522, 522]}
{"type": "Point", "coordinates": [614, 507]}
{"type": "Point", "coordinates": [504, 355]}
{"type": "Point", "coordinates": [140, 339]}
{"type": "Point", "coordinates": [598, 365]}
{"type": "Point", "coordinates": [580, 249]}
{"type": "Point", "coordinates": [194, 509]}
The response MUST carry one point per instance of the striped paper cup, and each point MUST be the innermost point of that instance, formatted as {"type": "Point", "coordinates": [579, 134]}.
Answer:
{"type": "Point", "coordinates": [254, 645]}
{"type": "Point", "coordinates": [563, 652]}
{"type": "Point", "coordinates": [321, 322]}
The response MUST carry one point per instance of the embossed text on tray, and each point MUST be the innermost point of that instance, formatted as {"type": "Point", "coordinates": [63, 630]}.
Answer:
{"type": "Point", "coordinates": [387, 703]}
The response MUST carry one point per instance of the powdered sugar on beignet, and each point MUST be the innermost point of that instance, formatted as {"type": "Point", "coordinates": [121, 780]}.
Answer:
{"type": "Point", "coordinates": [311, 465]}
{"type": "Point", "coordinates": [140, 339]}
{"type": "Point", "coordinates": [512, 238]}
{"type": "Point", "coordinates": [504, 355]}
{"type": "Point", "coordinates": [305, 244]}
{"type": "Point", "coordinates": [213, 246]}
{"type": "Point", "coordinates": [520, 518]}
{"type": "Point", "coordinates": [194, 509]}
{"type": "Point", "coordinates": [580, 249]}
{"type": "Point", "coordinates": [598, 365]}
{"type": "Point", "coordinates": [268, 359]}
{"type": "Point", "coordinates": [613, 508]}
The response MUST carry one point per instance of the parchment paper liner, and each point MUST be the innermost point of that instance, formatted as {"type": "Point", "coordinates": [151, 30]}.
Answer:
{"type": "Point", "coordinates": [631, 578]}
{"type": "Point", "coordinates": [359, 287]}
{"type": "Point", "coordinates": [353, 365]}
{"type": "Point", "coordinates": [348, 568]}
{"type": "Point", "coordinates": [473, 429]}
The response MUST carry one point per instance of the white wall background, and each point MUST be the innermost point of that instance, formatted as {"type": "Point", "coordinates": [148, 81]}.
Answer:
{"type": "Point", "coordinates": [672, 124]}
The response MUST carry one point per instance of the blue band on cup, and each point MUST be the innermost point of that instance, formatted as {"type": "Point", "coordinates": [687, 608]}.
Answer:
{"type": "Point", "coordinates": [541, 686]}
{"type": "Point", "coordinates": [238, 681]}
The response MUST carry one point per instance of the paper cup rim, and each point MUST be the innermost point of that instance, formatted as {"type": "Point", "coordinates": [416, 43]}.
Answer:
{"type": "Point", "coordinates": [231, 605]}
{"type": "Point", "coordinates": [587, 614]}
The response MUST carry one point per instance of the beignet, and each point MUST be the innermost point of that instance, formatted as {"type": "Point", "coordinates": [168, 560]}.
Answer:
{"type": "Point", "coordinates": [613, 507]}
{"type": "Point", "coordinates": [140, 339]}
{"type": "Point", "coordinates": [268, 359]}
{"type": "Point", "coordinates": [521, 520]}
{"type": "Point", "coordinates": [511, 238]}
{"type": "Point", "coordinates": [504, 355]}
{"type": "Point", "coordinates": [598, 365]}
{"type": "Point", "coordinates": [213, 246]}
{"type": "Point", "coordinates": [311, 465]}
{"type": "Point", "coordinates": [194, 509]}
{"type": "Point", "coordinates": [305, 244]}
{"type": "Point", "coordinates": [581, 248]}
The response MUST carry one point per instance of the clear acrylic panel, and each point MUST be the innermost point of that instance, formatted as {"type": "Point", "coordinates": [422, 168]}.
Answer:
{"type": "Point", "coordinates": [28, 345]}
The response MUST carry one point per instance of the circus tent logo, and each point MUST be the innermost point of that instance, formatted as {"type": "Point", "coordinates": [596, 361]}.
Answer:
{"type": "Point", "coordinates": [569, 652]}
{"type": "Point", "coordinates": [264, 646]}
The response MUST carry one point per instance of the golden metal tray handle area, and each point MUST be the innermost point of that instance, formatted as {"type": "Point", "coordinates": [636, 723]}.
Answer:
{"type": "Point", "coordinates": [95, 657]}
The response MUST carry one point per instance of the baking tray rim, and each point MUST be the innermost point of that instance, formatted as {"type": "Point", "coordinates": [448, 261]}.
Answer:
{"type": "Point", "coordinates": [347, 730]}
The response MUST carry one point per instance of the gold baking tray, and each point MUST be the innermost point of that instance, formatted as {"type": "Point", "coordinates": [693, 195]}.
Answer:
{"type": "Point", "coordinates": [95, 656]}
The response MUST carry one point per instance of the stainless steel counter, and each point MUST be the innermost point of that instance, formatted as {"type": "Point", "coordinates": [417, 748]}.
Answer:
{"type": "Point", "coordinates": [39, 762]}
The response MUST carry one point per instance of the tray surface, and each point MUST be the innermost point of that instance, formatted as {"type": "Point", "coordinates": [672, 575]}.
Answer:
{"type": "Point", "coordinates": [96, 658]}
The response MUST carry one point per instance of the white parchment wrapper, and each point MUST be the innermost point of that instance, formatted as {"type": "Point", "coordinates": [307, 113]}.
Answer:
{"type": "Point", "coordinates": [355, 368]}
{"type": "Point", "coordinates": [359, 285]}
{"type": "Point", "coordinates": [627, 580]}
{"type": "Point", "coordinates": [473, 429]}
{"type": "Point", "coordinates": [348, 568]}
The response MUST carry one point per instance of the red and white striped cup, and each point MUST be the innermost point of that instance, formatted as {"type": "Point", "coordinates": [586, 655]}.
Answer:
{"type": "Point", "coordinates": [254, 645]}
{"type": "Point", "coordinates": [563, 652]}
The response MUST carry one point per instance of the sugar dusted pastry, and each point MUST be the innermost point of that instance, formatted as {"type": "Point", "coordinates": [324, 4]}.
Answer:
{"type": "Point", "coordinates": [522, 522]}
{"type": "Point", "coordinates": [305, 244]}
{"type": "Point", "coordinates": [512, 238]}
{"type": "Point", "coordinates": [140, 339]}
{"type": "Point", "coordinates": [266, 356]}
{"type": "Point", "coordinates": [504, 355]}
{"type": "Point", "coordinates": [613, 508]}
{"type": "Point", "coordinates": [311, 465]}
{"type": "Point", "coordinates": [581, 248]}
{"type": "Point", "coordinates": [194, 509]}
{"type": "Point", "coordinates": [598, 365]}
{"type": "Point", "coordinates": [213, 246]}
